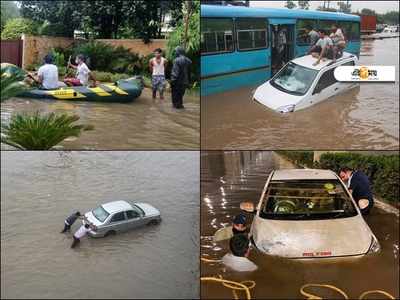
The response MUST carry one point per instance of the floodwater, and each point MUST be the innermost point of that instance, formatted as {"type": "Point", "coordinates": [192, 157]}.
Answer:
{"type": "Point", "coordinates": [366, 117]}
{"type": "Point", "coordinates": [142, 124]}
{"type": "Point", "coordinates": [40, 189]}
{"type": "Point", "coordinates": [232, 177]}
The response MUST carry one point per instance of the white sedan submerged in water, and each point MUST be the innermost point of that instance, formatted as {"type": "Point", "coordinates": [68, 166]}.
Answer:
{"type": "Point", "coordinates": [309, 213]}
{"type": "Point", "coordinates": [300, 84]}
{"type": "Point", "coordinates": [120, 216]}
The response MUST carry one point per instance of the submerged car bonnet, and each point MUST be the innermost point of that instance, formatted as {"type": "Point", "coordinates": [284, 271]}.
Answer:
{"type": "Point", "coordinates": [312, 238]}
{"type": "Point", "coordinates": [92, 219]}
{"type": "Point", "coordinates": [273, 98]}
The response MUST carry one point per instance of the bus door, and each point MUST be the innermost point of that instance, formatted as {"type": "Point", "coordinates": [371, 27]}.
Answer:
{"type": "Point", "coordinates": [282, 33]}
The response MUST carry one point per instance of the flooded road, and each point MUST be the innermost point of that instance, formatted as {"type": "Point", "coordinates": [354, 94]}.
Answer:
{"type": "Point", "coordinates": [232, 177]}
{"type": "Point", "coordinates": [39, 190]}
{"type": "Point", "coordinates": [142, 124]}
{"type": "Point", "coordinates": [366, 117]}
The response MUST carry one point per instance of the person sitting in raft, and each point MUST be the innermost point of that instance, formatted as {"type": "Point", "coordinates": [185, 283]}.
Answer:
{"type": "Point", "coordinates": [238, 259]}
{"type": "Point", "coordinates": [323, 47]}
{"type": "Point", "coordinates": [47, 75]}
{"type": "Point", "coordinates": [82, 73]}
{"type": "Point", "coordinates": [339, 42]}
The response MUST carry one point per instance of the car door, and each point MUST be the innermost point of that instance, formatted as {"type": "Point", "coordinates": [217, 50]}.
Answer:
{"type": "Point", "coordinates": [326, 87]}
{"type": "Point", "coordinates": [135, 219]}
{"type": "Point", "coordinates": [118, 222]}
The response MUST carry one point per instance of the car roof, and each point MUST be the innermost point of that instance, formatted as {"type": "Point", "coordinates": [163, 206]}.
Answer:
{"type": "Point", "coordinates": [116, 206]}
{"type": "Point", "coordinates": [305, 174]}
{"type": "Point", "coordinates": [307, 61]}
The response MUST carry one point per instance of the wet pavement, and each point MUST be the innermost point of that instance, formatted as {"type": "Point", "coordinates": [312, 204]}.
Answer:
{"type": "Point", "coordinates": [232, 177]}
{"type": "Point", "coordinates": [40, 189]}
{"type": "Point", "coordinates": [366, 117]}
{"type": "Point", "coordinates": [142, 124]}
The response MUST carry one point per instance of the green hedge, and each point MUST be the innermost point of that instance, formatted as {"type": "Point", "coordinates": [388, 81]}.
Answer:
{"type": "Point", "coordinates": [304, 158]}
{"type": "Point", "coordinates": [382, 170]}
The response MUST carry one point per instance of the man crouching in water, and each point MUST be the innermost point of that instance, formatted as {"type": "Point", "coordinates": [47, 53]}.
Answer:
{"type": "Point", "coordinates": [238, 260]}
{"type": "Point", "coordinates": [180, 77]}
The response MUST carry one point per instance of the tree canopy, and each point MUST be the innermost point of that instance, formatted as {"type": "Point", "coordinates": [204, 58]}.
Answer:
{"type": "Point", "coordinates": [104, 19]}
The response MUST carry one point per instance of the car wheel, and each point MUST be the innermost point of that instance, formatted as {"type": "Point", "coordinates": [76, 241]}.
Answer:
{"type": "Point", "coordinates": [111, 232]}
{"type": "Point", "coordinates": [154, 222]}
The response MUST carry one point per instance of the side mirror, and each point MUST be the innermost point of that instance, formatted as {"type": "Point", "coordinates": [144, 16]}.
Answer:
{"type": "Point", "coordinates": [247, 206]}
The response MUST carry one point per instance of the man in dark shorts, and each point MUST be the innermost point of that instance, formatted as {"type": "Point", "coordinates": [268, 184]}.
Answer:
{"type": "Point", "coordinates": [71, 220]}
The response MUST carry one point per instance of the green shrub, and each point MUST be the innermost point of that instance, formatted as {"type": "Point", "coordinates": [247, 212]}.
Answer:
{"type": "Point", "coordinates": [382, 170]}
{"type": "Point", "coordinates": [51, 29]}
{"type": "Point", "coordinates": [40, 132]}
{"type": "Point", "coordinates": [304, 158]}
{"type": "Point", "coordinates": [107, 58]}
{"type": "Point", "coordinates": [14, 28]}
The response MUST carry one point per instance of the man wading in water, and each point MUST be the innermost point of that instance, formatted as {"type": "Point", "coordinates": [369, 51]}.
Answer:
{"type": "Point", "coordinates": [157, 69]}
{"type": "Point", "coordinates": [180, 77]}
{"type": "Point", "coordinates": [80, 233]}
{"type": "Point", "coordinates": [71, 220]}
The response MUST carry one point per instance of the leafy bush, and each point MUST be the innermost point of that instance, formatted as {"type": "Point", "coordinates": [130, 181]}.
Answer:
{"type": "Point", "coordinates": [11, 81]}
{"type": "Point", "coordinates": [107, 58]}
{"type": "Point", "coordinates": [382, 170]}
{"type": "Point", "coordinates": [109, 77]}
{"type": "Point", "coordinates": [304, 158]}
{"type": "Point", "coordinates": [37, 132]}
{"type": "Point", "coordinates": [14, 28]}
{"type": "Point", "coordinates": [51, 29]}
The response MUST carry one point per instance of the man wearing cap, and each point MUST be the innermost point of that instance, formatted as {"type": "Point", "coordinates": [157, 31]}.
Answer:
{"type": "Point", "coordinates": [238, 227]}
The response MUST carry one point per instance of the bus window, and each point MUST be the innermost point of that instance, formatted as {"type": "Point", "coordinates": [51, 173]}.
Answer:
{"type": "Point", "coordinates": [216, 35]}
{"type": "Point", "coordinates": [351, 30]}
{"type": "Point", "coordinates": [327, 25]}
{"type": "Point", "coordinates": [251, 33]}
{"type": "Point", "coordinates": [301, 25]}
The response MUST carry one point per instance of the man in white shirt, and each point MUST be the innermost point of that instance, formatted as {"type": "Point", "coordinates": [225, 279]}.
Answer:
{"type": "Point", "coordinates": [339, 42]}
{"type": "Point", "coordinates": [82, 73]}
{"type": "Point", "coordinates": [47, 75]}
{"type": "Point", "coordinates": [323, 47]}
{"type": "Point", "coordinates": [237, 260]}
{"type": "Point", "coordinates": [80, 233]}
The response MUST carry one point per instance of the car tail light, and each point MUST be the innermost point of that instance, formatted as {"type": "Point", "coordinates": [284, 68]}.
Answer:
{"type": "Point", "coordinates": [374, 247]}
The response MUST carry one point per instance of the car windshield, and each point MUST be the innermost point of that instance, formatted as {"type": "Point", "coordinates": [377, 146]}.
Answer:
{"type": "Point", "coordinates": [100, 214]}
{"type": "Point", "coordinates": [306, 200]}
{"type": "Point", "coordinates": [294, 79]}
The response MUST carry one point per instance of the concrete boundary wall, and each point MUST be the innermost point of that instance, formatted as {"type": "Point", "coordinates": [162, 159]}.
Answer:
{"type": "Point", "coordinates": [36, 47]}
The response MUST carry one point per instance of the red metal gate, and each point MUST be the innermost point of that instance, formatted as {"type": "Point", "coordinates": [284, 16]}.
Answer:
{"type": "Point", "coordinates": [11, 52]}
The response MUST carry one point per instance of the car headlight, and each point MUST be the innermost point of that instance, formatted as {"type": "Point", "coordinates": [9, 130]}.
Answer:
{"type": "Point", "coordinates": [286, 108]}
{"type": "Point", "coordinates": [374, 247]}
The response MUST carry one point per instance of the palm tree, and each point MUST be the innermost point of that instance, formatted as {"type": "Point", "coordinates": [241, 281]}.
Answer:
{"type": "Point", "coordinates": [11, 82]}
{"type": "Point", "coordinates": [34, 132]}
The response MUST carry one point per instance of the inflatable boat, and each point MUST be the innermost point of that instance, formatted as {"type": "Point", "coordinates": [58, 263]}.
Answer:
{"type": "Point", "coordinates": [126, 90]}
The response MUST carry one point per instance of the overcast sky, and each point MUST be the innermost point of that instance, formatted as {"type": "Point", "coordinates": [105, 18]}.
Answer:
{"type": "Point", "coordinates": [378, 6]}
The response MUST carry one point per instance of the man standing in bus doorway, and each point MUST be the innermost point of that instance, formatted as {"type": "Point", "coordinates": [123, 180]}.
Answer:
{"type": "Point", "coordinates": [180, 77]}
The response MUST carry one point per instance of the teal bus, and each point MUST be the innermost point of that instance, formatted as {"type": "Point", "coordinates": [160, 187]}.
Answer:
{"type": "Point", "coordinates": [237, 48]}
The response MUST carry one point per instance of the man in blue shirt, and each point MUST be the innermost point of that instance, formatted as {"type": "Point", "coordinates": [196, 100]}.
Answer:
{"type": "Point", "coordinates": [360, 188]}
